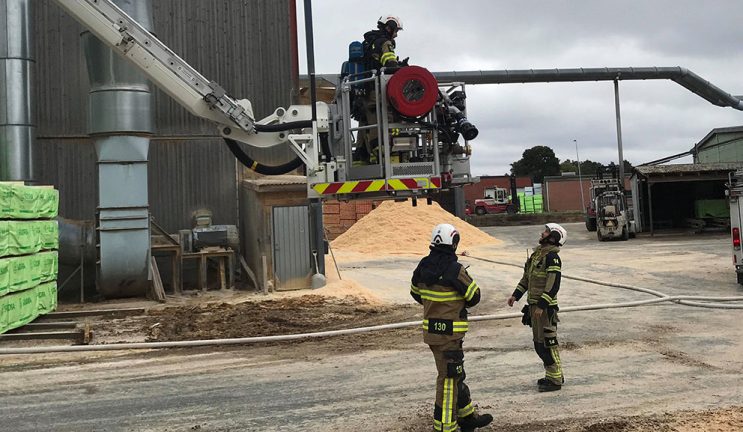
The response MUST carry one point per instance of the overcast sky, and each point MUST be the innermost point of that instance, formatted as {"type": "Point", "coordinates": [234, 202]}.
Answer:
{"type": "Point", "coordinates": [659, 118]}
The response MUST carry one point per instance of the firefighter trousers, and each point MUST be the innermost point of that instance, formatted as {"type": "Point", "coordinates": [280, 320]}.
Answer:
{"type": "Point", "coordinates": [452, 394]}
{"type": "Point", "coordinates": [544, 330]}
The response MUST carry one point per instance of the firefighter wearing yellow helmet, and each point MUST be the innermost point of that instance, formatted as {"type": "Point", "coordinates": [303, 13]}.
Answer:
{"type": "Point", "coordinates": [541, 282]}
{"type": "Point", "coordinates": [445, 289]}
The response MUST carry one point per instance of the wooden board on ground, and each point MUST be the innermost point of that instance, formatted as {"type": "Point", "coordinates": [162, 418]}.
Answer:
{"type": "Point", "coordinates": [157, 291]}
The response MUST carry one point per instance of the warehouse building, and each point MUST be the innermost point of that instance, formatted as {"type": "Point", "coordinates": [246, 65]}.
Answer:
{"type": "Point", "coordinates": [186, 169]}
{"type": "Point", "coordinates": [689, 196]}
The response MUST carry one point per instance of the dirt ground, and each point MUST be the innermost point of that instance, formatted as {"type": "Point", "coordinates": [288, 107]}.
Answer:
{"type": "Point", "coordinates": [722, 420]}
{"type": "Point", "coordinates": [660, 368]}
{"type": "Point", "coordinates": [305, 314]}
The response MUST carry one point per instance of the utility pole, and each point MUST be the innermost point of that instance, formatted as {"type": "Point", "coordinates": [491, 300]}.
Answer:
{"type": "Point", "coordinates": [580, 178]}
{"type": "Point", "coordinates": [619, 134]}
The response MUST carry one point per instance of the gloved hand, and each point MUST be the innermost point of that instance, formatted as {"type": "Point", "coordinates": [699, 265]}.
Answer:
{"type": "Point", "coordinates": [404, 62]}
{"type": "Point", "coordinates": [526, 318]}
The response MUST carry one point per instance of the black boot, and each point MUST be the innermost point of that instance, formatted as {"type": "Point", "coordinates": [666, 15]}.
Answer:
{"type": "Point", "coordinates": [549, 386]}
{"type": "Point", "coordinates": [541, 381]}
{"type": "Point", "coordinates": [474, 421]}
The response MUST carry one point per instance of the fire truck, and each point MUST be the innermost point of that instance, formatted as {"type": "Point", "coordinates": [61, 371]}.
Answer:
{"type": "Point", "coordinates": [422, 124]}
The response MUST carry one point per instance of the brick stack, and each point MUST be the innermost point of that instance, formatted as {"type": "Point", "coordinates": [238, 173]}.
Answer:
{"type": "Point", "coordinates": [29, 239]}
{"type": "Point", "coordinates": [338, 217]}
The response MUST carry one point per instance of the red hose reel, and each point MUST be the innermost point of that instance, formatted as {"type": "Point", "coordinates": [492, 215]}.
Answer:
{"type": "Point", "coordinates": [413, 91]}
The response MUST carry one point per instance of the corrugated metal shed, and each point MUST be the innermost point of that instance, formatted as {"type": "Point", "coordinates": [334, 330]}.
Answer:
{"type": "Point", "coordinates": [649, 171]}
{"type": "Point", "coordinates": [720, 145]}
{"type": "Point", "coordinates": [187, 176]}
{"type": "Point", "coordinates": [245, 46]}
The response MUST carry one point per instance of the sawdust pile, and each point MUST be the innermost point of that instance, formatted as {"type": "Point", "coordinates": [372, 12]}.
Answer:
{"type": "Point", "coordinates": [400, 228]}
{"type": "Point", "coordinates": [348, 288]}
{"type": "Point", "coordinates": [343, 288]}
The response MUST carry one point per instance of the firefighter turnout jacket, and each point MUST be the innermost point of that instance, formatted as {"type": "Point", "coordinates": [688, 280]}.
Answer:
{"type": "Point", "coordinates": [379, 50]}
{"type": "Point", "coordinates": [541, 279]}
{"type": "Point", "coordinates": [446, 290]}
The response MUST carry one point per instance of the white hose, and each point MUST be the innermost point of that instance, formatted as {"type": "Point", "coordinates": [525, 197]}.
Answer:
{"type": "Point", "coordinates": [290, 337]}
{"type": "Point", "coordinates": [637, 288]}
{"type": "Point", "coordinates": [683, 299]}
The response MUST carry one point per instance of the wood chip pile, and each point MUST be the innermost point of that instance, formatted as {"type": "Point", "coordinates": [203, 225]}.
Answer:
{"type": "Point", "coordinates": [400, 228]}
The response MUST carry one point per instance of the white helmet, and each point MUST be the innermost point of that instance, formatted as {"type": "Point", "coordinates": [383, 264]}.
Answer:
{"type": "Point", "coordinates": [560, 232]}
{"type": "Point", "coordinates": [385, 19]}
{"type": "Point", "coordinates": [445, 234]}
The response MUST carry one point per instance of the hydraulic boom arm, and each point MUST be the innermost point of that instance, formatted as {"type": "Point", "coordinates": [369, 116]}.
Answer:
{"type": "Point", "coordinates": [202, 97]}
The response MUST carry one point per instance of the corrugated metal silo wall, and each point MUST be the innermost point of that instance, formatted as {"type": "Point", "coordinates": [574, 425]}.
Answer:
{"type": "Point", "coordinates": [243, 45]}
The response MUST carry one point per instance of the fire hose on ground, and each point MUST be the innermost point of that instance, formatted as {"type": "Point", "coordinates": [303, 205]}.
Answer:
{"type": "Point", "coordinates": [687, 300]}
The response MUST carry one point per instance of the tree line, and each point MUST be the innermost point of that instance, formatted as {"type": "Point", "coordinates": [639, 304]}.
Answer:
{"type": "Point", "coordinates": [540, 161]}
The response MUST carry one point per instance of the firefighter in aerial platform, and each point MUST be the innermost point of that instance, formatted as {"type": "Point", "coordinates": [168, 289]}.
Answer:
{"type": "Point", "coordinates": [379, 52]}
{"type": "Point", "coordinates": [446, 290]}
{"type": "Point", "coordinates": [541, 282]}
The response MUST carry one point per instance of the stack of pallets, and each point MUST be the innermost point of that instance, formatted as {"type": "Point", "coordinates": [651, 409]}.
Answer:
{"type": "Point", "coordinates": [29, 239]}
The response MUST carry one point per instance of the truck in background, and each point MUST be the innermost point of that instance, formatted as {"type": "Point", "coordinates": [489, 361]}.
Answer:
{"type": "Point", "coordinates": [497, 200]}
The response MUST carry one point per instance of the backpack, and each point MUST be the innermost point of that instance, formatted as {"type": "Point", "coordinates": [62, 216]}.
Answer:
{"type": "Point", "coordinates": [356, 63]}
{"type": "Point", "coordinates": [356, 66]}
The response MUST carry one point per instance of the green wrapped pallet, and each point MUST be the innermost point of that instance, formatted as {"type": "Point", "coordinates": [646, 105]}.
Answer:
{"type": "Point", "coordinates": [47, 297]}
{"type": "Point", "coordinates": [18, 201]}
{"type": "Point", "coordinates": [21, 273]}
{"type": "Point", "coordinates": [23, 238]}
{"type": "Point", "coordinates": [49, 234]}
{"type": "Point", "coordinates": [48, 207]}
{"type": "Point", "coordinates": [538, 203]}
{"type": "Point", "coordinates": [27, 237]}
{"type": "Point", "coordinates": [49, 266]}
{"type": "Point", "coordinates": [21, 308]}
{"type": "Point", "coordinates": [24, 272]}
{"type": "Point", "coordinates": [30, 270]}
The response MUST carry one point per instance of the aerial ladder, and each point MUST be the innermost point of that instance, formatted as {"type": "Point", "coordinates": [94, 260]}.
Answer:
{"type": "Point", "coordinates": [420, 121]}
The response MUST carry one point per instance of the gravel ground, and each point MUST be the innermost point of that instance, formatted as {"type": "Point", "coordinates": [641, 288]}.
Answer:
{"type": "Point", "coordinates": [664, 367]}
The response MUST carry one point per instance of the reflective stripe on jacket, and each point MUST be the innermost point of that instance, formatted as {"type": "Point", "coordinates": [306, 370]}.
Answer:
{"type": "Point", "coordinates": [445, 301]}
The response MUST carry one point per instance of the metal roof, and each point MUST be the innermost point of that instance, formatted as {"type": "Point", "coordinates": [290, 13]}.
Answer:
{"type": "Point", "coordinates": [687, 172]}
{"type": "Point", "coordinates": [717, 131]}
{"type": "Point", "coordinates": [276, 183]}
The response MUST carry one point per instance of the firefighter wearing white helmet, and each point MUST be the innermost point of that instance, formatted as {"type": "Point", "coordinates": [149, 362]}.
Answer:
{"type": "Point", "coordinates": [379, 52]}
{"type": "Point", "coordinates": [541, 282]}
{"type": "Point", "coordinates": [390, 20]}
{"type": "Point", "coordinates": [445, 289]}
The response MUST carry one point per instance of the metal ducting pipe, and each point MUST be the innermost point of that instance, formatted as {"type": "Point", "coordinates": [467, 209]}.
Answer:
{"type": "Point", "coordinates": [682, 76]}
{"type": "Point", "coordinates": [76, 241]}
{"type": "Point", "coordinates": [121, 123]}
{"type": "Point", "coordinates": [17, 129]}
